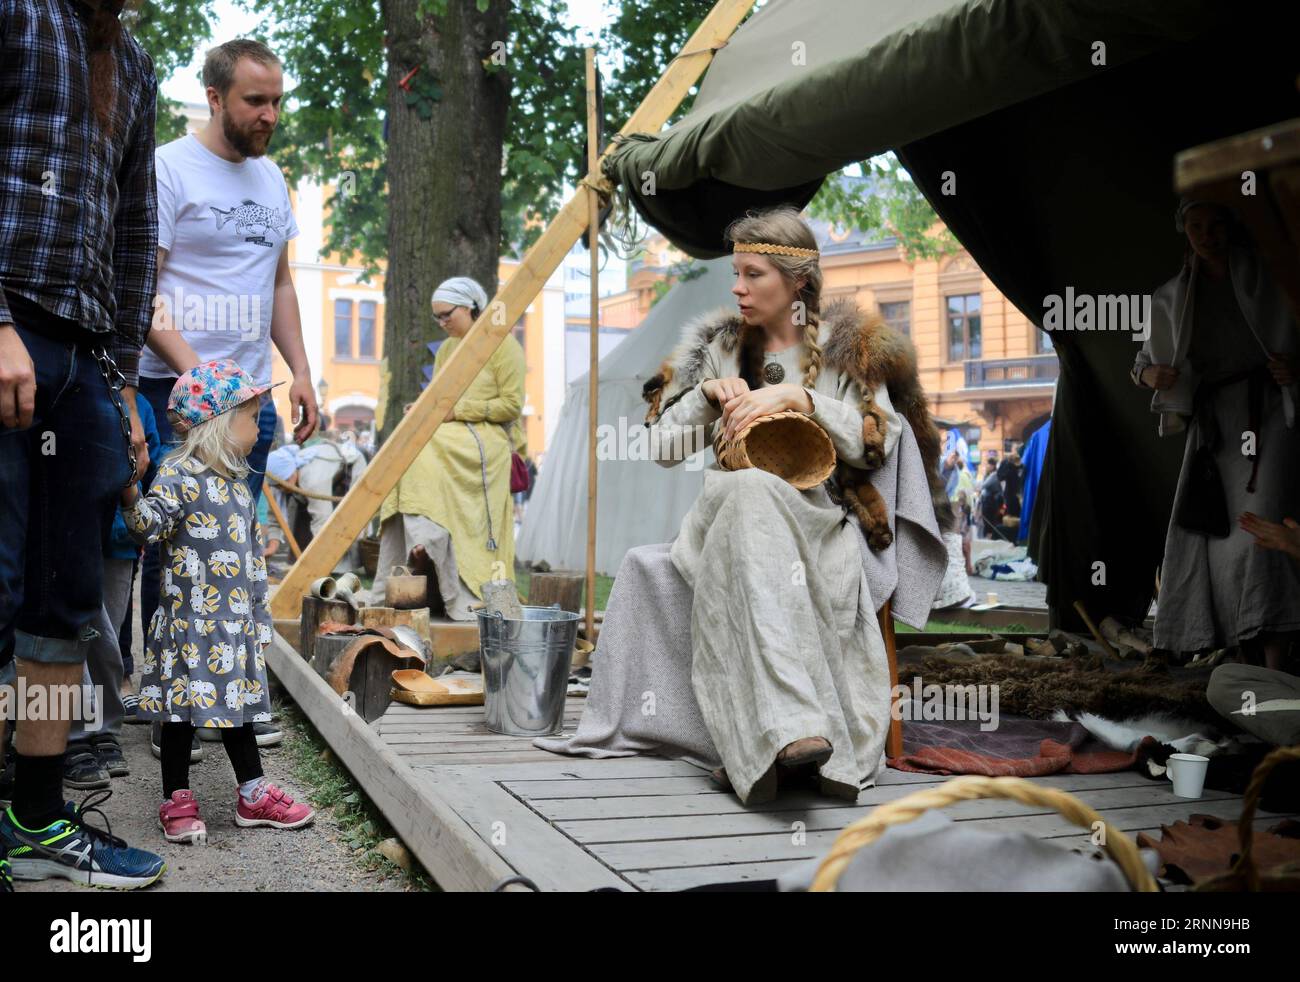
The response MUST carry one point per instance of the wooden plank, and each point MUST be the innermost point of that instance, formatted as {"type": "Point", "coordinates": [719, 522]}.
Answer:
{"type": "Point", "coordinates": [568, 809]}
{"type": "Point", "coordinates": [434, 715]}
{"type": "Point", "coordinates": [495, 757]}
{"type": "Point", "coordinates": [403, 738]}
{"type": "Point", "coordinates": [462, 711]}
{"type": "Point", "coordinates": [819, 819]}
{"type": "Point", "coordinates": [388, 725]}
{"type": "Point", "coordinates": [454, 856]}
{"type": "Point", "coordinates": [672, 853]}
{"type": "Point", "coordinates": [537, 790]}
{"type": "Point", "coordinates": [534, 790]}
{"type": "Point", "coordinates": [792, 845]}
{"type": "Point", "coordinates": [542, 259]}
{"type": "Point", "coordinates": [586, 769]}
{"type": "Point", "coordinates": [1224, 160]}
{"type": "Point", "coordinates": [593, 336]}
{"type": "Point", "coordinates": [451, 638]}
{"type": "Point", "coordinates": [479, 745]}
{"type": "Point", "coordinates": [685, 877]}
{"type": "Point", "coordinates": [519, 837]}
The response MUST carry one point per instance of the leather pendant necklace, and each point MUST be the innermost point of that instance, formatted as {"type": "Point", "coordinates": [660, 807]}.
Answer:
{"type": "Point", "coordinates": [773, 373]}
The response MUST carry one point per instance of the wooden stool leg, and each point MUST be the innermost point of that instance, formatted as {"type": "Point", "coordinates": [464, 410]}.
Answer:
{"type": "Point", "coordinates": [894, 740]}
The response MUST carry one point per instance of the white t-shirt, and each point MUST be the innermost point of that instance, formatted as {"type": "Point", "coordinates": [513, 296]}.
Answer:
{"type": "Point", "coordinates": [224, 226]}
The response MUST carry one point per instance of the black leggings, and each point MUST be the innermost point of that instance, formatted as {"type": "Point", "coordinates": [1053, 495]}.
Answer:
{"type": "Point", "coordinates": [241, 747]}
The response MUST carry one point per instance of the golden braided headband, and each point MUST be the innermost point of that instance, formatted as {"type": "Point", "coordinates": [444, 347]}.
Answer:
{"type": "Point", "coordinates": [771, 247]}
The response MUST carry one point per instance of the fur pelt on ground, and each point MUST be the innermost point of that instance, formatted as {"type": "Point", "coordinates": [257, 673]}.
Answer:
{"type": "Point", "coordinates": [1037, 687]}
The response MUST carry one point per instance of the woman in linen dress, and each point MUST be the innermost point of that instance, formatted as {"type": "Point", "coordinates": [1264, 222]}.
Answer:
{"type": "Point", "coordinates": [789, 665]}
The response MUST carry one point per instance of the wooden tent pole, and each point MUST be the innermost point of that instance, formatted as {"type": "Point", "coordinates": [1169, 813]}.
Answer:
{"type": "Point", "coordinates": [464, 364]}
{"type": "Point", "coordinates": [284, 522]}
{"type": "Point", "coordinates": [593, 243]}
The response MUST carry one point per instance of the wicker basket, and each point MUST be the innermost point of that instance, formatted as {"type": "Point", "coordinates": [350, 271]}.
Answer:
{"type": "Point", "coordinates": [788, 444]}
{"type": "Point", "coordinates": [866, 830]}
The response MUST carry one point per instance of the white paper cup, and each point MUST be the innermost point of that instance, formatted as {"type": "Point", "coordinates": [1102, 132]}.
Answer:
{"type": "Point", "coordinates": [992, 599]}
{"type": "Point", "coordinates": [1187, 771]}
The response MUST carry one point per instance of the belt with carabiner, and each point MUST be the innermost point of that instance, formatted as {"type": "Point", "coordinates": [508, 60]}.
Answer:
{"type": "Point", "coordinates": [116, 382]}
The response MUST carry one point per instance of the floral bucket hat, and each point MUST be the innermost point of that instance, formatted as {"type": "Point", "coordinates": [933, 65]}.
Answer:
{"type": "Point", "coordinates": [208, 390]}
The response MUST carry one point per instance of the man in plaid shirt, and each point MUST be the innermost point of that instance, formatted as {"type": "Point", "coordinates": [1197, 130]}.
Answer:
{"type": "Point", "coordinates": [78, 240]}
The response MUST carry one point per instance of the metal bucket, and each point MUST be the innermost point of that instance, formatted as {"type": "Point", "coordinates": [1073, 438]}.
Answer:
{"type": "Point", "coordinates": [526, 669]}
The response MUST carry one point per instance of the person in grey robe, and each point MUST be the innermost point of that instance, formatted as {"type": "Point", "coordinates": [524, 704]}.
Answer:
{"type": "Point", "coordinates": [1221, 360]}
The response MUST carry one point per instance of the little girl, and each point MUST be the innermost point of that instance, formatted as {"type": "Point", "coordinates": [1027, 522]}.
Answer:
{"type": "Point", "coordinates": [203, 662]}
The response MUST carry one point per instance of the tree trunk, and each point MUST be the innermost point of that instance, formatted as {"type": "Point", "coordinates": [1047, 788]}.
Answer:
{"type": "Point", "coordinates": [444, 172]}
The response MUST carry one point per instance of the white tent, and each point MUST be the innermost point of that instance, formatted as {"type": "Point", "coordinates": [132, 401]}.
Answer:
{"type": "Point", "coordinates": [638, 501]}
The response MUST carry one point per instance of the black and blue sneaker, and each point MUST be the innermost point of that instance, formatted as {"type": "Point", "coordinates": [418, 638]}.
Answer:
{"type": "Point", "coordinates": [70, 848]}
{"type": "Point", "coordinates": [6, 878]}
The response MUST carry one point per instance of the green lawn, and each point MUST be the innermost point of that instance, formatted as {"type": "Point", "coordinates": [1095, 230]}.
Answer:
{"type": "Point", "coordinates": [603, 585]}
{"type": "Point", "coordinates": [943, 627]}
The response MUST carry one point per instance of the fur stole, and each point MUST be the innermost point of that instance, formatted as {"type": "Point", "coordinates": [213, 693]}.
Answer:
{"type": "Point", "coordinates": [855, 344]}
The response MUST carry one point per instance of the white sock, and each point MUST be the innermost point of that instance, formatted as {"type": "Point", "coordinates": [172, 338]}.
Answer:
{"type": "Point", "coordinates": [252, 791]}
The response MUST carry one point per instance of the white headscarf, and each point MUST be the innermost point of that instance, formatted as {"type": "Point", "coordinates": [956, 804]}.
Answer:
{"type": "Point", "coordinates": [462, 292]}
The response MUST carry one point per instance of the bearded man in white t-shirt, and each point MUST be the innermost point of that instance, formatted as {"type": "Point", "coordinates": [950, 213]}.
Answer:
{"type": "Point", "coordinates": [224, 222]}
{"type": "Point", "coordinates": [224, 286]}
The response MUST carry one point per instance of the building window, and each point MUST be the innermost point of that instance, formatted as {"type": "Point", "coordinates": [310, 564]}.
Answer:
{"type": "Point", "coordinates": [898, 315]}
{"type": "Point", "coordinates": [366, 329]}
{"type": "Point", "coordinates": [342, 328]}
{"type": "Point", "coordinates": [964, 327]}
{"type": "Point", "coordinates": [1044, 346]}
{"type": "Point", "coordinates": [518, 332]}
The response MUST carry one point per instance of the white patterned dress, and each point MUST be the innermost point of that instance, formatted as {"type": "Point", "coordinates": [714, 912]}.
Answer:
{"type": "Point", "coordinates": [204, 660]}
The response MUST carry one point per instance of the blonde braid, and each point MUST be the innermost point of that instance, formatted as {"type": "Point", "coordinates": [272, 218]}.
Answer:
{"type": "Point", "coordinates": [812, 358]}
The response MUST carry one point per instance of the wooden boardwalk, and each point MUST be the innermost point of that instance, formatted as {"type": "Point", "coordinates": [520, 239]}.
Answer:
{"type": "Point", "coordinates": [476, 807]}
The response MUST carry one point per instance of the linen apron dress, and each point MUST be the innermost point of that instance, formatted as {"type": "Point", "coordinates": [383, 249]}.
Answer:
{"type": "Point", "coordinates": [1216, 592]}
{"type": "Point", "coordinates": [204, 661]}
{"type": "Point", "coordinates": [784, 634]}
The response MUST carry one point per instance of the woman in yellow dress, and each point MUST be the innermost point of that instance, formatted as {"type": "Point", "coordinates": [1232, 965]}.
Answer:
{"type": "Point", "coordinates": [451, 513]}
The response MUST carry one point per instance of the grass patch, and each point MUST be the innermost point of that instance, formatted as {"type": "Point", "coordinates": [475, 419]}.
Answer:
{"type": "Point", "coordinates": [603, 585]}
{"type": "Point", "coordinates": [945, 627]}
{"type": "Point", "coordinates": [361, 824]}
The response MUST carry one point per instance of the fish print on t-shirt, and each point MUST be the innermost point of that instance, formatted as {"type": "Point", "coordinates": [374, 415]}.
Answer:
{"type": "Point", "coordinates": [247, 215]}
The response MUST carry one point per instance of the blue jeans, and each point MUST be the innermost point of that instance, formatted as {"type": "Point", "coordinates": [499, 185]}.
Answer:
{"type": "Point", "coordinates": [156, 391]}
{"type": "Point", "coordinates": [59, 484]}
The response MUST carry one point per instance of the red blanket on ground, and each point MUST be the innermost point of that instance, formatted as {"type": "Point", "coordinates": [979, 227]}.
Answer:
{"type": "Point", "coordinates": [1019, 747]}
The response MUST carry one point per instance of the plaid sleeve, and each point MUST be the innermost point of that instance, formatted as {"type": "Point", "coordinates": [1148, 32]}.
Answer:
{"type": "Point", "coordinates": [135, 243]}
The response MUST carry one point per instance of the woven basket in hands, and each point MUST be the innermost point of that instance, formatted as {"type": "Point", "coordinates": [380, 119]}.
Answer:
{"type": "Point", "coordinates": [788, 444]}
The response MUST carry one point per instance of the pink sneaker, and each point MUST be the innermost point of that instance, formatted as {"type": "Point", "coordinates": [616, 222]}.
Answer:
{"type": "Point", "coordinates": [179, 818]}
{"type": "Point", "coordinates": [274, 809]}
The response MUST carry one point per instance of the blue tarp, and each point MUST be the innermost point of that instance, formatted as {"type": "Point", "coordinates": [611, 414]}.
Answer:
{"type": "Point", "coordinates": [1035, 451]}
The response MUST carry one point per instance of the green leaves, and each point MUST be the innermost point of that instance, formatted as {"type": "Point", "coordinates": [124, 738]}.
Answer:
{"type": "Point", "coordinates": [170, 33]}
{"type": "Point", "coordinates": [423, 92]}
{"type": "Point", "coordinates": [334, 117]}
{"type": "Point", "coordinates": [883, 199]}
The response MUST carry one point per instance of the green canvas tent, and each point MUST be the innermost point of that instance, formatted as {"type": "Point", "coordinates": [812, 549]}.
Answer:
{"type": "Point", "coordinates": [1058, 120]}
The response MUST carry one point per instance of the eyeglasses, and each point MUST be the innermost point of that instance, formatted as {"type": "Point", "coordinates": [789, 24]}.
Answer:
{"type": "Point", "coordinates": [446, 316]}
